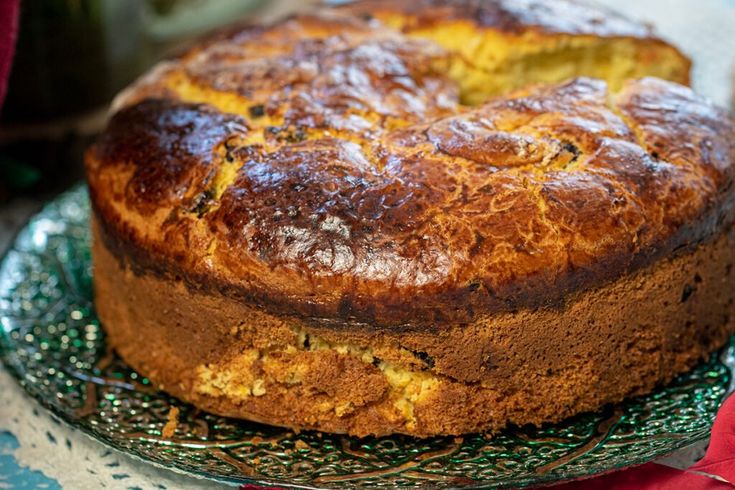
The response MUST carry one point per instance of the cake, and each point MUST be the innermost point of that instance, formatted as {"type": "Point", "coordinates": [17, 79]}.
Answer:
{"type": "Point", "coordinates": [427, 218]}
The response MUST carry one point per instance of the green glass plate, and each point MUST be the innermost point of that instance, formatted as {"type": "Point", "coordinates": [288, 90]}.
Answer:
{"type": "Point", "coordinates": [52, 341]}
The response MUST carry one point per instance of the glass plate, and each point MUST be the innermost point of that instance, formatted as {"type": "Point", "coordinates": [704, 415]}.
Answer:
{"type": "Point", "coordinates": [51, 340]}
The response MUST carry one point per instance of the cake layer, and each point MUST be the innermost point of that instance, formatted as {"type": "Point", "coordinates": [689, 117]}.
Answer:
{"type": "Point", "coordinates": [524, 367]}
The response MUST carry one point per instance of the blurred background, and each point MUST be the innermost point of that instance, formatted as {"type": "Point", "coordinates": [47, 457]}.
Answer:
{"type": "Point", "coordinates": [72, 57]}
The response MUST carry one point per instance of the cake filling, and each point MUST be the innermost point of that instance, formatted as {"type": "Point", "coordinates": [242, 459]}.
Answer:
{"type": "Point", "coordinates": [251, 373]}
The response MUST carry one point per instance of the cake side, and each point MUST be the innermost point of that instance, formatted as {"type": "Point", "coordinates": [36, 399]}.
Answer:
{"type": "Point", "coordinates": [529, 366]}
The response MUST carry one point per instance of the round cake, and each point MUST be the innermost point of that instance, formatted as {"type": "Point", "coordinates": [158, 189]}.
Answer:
{"type": "Point", "coordinates": [435, 217]}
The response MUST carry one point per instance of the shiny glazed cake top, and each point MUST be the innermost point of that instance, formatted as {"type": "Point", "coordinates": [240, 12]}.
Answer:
{"type": "Point", "coordinates": [325, 168]}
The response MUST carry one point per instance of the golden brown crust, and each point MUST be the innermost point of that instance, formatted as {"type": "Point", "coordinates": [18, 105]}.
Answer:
{"type": "Point", "coordinates": [515, 203]}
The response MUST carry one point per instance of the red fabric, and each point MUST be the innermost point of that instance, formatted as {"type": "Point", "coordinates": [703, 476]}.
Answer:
{"type": "Point", "coordinates": [717, 465]}
{"type": "Point", "coordinates": [720, 457]}
{"type": "Point", "coordinates": [716, 471]}
{"type": "Point", "coordinates": [8, 32]}
{"type": "Point", "coordinates": [649, 476]}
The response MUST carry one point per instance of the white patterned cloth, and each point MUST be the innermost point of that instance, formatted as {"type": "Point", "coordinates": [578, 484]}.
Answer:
{"type": "Point", "coordinates": [704, 29]}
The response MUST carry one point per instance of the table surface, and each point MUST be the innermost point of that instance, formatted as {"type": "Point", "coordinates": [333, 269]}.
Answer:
{"type": "Point", "coordinates": [37, 451]}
